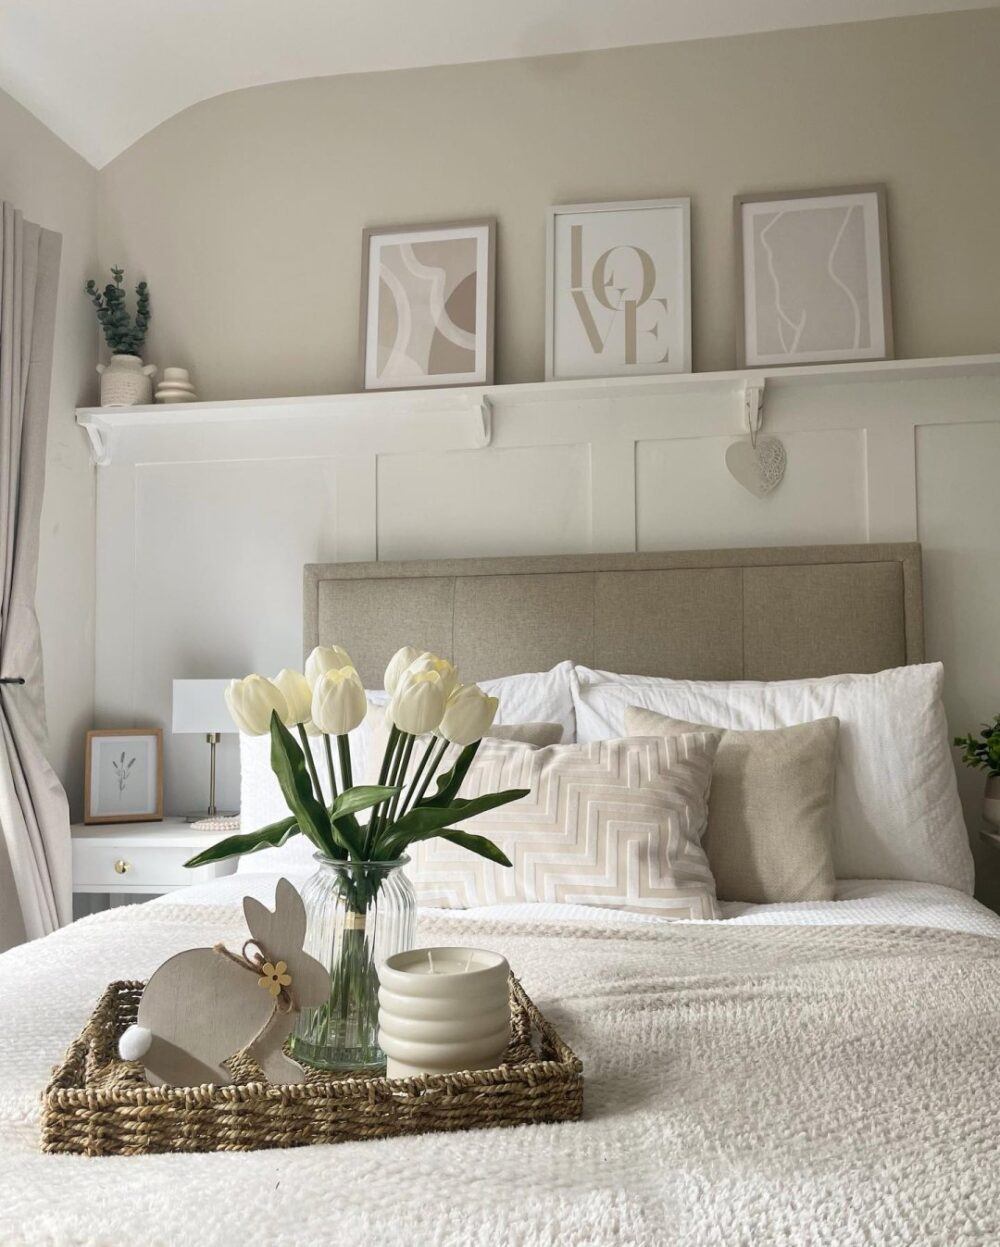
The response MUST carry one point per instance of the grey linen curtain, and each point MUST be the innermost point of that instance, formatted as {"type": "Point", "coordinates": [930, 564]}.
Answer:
{"type": "Point", "coordinates": [35, 857]}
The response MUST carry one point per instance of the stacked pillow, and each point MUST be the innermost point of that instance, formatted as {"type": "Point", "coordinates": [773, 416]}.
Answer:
{"type": "Point", "coordinates": [897, 813]}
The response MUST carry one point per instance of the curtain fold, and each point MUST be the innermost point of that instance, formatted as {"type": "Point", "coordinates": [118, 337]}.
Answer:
{"type": "Point", "coordinates": [35, 854]}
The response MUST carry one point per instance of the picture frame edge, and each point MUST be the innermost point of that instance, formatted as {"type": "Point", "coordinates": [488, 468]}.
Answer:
{"type": "Point", "coordinates": [880, 191]}
{"type": "Point", "coordinates": [674, 201]}
{"type": "Point", "coordinates": [369, 232]}
{"type": "Point", "coordinates": [90, 819]}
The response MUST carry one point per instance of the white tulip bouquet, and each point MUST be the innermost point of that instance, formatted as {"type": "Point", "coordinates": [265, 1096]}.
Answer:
{"type": "Point", "coordinates": [426, 700]}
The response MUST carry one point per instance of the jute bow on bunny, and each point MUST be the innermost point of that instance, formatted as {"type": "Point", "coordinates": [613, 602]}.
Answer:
{"type": "Point", "coordinates": [272, 974]}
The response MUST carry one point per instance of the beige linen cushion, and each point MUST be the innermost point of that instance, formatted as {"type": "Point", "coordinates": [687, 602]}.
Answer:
{"type": "Point", "coordinates": [616, 823]}
{"type": "Point", "coordinates": [771, 808]}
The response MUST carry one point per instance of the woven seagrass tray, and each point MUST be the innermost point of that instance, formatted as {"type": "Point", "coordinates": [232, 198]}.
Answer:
{"type": "Point", "coordinates": [99, 1105]}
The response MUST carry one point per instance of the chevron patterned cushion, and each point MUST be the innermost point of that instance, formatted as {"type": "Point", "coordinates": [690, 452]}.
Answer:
{"type": "Point", "coordinates": [615, 823]}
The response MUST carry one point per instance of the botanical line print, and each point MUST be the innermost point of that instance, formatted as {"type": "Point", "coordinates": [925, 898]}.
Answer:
{"type": "Point", "coordinates": [122, 769]}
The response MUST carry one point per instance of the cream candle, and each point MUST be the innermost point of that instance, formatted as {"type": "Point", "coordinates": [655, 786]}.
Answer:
{"type": "Point", "coordinates": [443, 1010]}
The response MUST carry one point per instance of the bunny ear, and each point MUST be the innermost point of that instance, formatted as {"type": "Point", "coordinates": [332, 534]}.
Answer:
{"type": "Point", "coordinates": [289, 914]}
{"type": "Point", "coordinates": [258, 917]}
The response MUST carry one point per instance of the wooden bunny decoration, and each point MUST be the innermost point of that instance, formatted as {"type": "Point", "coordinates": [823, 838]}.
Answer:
{"type": "Point", "coordinates": [204, 1005]}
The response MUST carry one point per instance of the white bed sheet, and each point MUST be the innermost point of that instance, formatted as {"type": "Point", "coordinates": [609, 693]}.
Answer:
{"type": "Point", "coordinates": [864, 902]}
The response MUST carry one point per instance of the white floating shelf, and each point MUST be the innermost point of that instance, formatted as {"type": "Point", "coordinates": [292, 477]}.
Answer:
{"type": "Point", "coordinates": [464, 416]}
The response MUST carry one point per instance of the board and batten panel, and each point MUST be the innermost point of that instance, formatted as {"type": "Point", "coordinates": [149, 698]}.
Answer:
{"type": "Point", "coordinates": [958, 508]}
{"type": "Point", "coordinates": [686, 498]}
{"type": "Point", "coordinates": [462, 504]}
{"type": "Point", "coordinates": [218, 589]}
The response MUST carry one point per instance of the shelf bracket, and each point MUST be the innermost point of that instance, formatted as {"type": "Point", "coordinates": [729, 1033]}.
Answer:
{"type": "Point", "coordinates": [753, 406]}
{"type": "Point", "coordinates": [482, 428]}
{"type": "Point", "coordinates": [100, 442]}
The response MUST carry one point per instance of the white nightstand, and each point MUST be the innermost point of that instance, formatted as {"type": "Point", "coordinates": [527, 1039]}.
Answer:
{"type": "Point", "coordinates": [119, 860]}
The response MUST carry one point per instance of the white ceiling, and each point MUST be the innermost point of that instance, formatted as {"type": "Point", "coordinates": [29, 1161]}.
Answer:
{"type": "Point", "coordinates": [101, 73]}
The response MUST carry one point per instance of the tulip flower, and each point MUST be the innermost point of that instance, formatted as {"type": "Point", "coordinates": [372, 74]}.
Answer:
{"type": "Point", "coordinates": [326, 658]}
{"type": "Point", "coordinates": [418, 703]}
{"type": "Point", "coordinates": [339, 703]}
{"type": "Point", "coordinates": [297, 694]}
{"type": "Point", "coordinates": [398, 663]}
{"type": "Point", "coordinates": [446, 670]}
{"type": "Point", "coordinates": [468, 715]}
{"type": "Point", "coordinates": [251, 702]}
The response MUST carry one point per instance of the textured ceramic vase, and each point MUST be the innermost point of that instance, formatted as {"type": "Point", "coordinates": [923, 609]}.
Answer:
{"type": "Point", "coordinates": [442, 1010]}
{"type": "Point", "coordinates": [357, 914]}
{"type": "Point", "coordinates": [126, 382]}
{"type": "Point", "coordinates": [991, 802]}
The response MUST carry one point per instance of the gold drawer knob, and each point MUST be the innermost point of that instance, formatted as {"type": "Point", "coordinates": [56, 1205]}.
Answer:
{"type": "Point", "coordinates": [121, 866]}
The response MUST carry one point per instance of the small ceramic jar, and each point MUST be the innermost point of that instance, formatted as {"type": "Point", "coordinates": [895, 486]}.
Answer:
{"type": "Point", "coordinates": [442, 1010]}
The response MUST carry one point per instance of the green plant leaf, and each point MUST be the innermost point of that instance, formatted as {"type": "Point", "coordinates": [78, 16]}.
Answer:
{"type": "Point", "coordinates": [271, 837]}
{"type": "Point", "coordinates": [449, 783]}
{"type": "Point", "coordinates": [478, 844]}
{"type": "Point", "coordinates": [422, 822]}
{"type": "Point", "coordinates": [360, 797]}
{"type": "Point", "coordinates": [289, 766]}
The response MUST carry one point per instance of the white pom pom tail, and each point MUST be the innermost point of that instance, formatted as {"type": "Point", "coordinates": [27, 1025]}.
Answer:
{"type": "Point", "coordinates": [135, 1043]}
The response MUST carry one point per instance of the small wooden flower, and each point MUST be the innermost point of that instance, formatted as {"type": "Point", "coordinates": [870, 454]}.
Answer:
{"type": "Point", "coordinates": [274, 977]}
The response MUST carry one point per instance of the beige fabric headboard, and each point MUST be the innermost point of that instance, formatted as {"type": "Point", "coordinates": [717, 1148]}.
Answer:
{"type": "Point", "coordinates": [764, 614]}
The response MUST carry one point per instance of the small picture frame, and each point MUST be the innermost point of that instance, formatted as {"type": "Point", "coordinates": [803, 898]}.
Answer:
{"type": "Point", "coordinates": [123, 776]}
{"type": "Point", "coordinates": [618, 289]}
{"type": "Point", "coordinates": [427, 305]}
{"type": "Point", "coordinates": [812, 277]}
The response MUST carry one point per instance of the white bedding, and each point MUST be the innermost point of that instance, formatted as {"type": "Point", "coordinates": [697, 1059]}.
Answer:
{"type": "Point", "coordinates": [865, 902]}
{"type": "Point", "coordinates": [745, 1083]}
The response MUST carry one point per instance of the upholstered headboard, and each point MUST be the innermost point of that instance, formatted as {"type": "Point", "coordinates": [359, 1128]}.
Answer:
{"type": "Point", "coordinates": [764, 614]}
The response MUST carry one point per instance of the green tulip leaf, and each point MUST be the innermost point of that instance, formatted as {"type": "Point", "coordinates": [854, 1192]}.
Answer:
{"type": "Point", "coordinates": [478, 844]}
{"type": "Point", "coordinates": [361, 797]}
{"type": "Point", "coordinates": [289, 765]}
{"type": "Point", "coordinates": [423, 822]}
{"type": "Point", "coordinates": [271, 837]}
{"type": "Point", "coordinates": [449, 783]}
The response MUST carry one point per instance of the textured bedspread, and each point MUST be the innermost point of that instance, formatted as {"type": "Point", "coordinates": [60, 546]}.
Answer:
{"type": "Point", "coordinates": [745, 1085]}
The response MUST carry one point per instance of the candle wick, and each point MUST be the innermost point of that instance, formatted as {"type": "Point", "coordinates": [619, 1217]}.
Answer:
{"type": "Point", "coordinates": [468, 964]}
{"type": "Point", "coordinates": [430, 961]}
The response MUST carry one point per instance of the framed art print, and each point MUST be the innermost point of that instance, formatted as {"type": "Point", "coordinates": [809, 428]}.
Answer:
{"type": "Point", "coordinates": [427, 299]}
{"type": "Point", "coordinates": [813, 277]}
{"type": "Point", "coordinates": [618, 289]}
{"type": "Point", "coordinates": [123, 776]}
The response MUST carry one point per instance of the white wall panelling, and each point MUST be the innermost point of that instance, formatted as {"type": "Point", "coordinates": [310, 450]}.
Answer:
{"type": "Point", "coordinates": [207, 512]}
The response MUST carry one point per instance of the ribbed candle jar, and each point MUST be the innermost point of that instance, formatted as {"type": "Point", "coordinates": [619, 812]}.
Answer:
{"type": "Point", "coordinates": [442, 1010]}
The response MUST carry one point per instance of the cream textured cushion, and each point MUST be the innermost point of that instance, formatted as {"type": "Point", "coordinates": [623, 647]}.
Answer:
{"type": "Point", "coordinates": [617, 823]}
{"type": "Point", "coordinates": [898, 812]}
{"type": "Point", "coordinates": [770, 811]}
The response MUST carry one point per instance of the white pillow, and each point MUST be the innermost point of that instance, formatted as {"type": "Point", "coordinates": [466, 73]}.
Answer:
{"type": "Point", "coordinates": [898, 814]}
{"type": "Point", "coordinates": [535, 697]}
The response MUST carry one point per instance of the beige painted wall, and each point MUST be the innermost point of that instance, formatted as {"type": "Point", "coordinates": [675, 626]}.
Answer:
{"type": "Point", "coordinates": [246, 212]}
{"type": "Point", "coordinates": [58, 189]}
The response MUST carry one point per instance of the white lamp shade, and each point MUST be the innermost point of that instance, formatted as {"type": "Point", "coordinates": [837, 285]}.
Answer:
{"type": "Point", "coordinates": [199, 706]}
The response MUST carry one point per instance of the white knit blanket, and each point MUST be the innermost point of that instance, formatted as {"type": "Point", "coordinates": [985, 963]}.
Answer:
{"type": "Point", "coordinates": [744, 1085]}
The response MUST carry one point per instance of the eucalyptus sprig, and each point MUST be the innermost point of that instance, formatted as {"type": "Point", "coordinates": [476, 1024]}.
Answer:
{"type": "Point", "coordinates": [123, 335]}
{"type": "Point", "coordinates": [982, 752]}
{"type": "Point", "coordinates": [428, 704]}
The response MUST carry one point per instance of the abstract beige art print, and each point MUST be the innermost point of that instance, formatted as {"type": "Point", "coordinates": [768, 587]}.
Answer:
{"type": "Point", "coordinates": [618, 289]}
{"type": "Point", "coordinates": [427, 296]}
{"type": "Point", "coordinates": [813, 273]}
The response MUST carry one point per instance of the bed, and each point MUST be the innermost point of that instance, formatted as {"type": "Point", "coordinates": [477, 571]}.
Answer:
{"type": "Point", "coordinates": [820, 1072]}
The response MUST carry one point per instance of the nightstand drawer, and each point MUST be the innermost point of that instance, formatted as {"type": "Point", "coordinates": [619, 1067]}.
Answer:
{"type": "Point", "coordinates": [134, 867]}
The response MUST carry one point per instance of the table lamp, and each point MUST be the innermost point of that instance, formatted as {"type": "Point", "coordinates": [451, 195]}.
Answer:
{"type": "Point", "coordinates": [199, 706]}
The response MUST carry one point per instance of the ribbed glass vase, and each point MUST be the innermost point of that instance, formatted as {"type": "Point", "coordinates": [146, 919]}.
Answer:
{"type": "Point", "coordinates": [357, 914]}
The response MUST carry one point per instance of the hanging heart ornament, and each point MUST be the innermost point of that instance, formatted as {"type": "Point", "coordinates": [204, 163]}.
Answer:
{"type": "Point", "coordinates": [760, 468]}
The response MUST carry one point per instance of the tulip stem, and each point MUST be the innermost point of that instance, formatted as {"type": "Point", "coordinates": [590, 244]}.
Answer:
{"type": "Point", "coordinates": [311, 763]}
{"type": "Point", "coordinates": [430, 774]}
{"type": "Point", "coordinates": [375, 821]}
{"type": "Point", "coordinates": [408, 800]}
{"type": "Point", "coordinates": [344, 749]}
{"type": "Point", "coordinates": [329, 766]}
{"type": "Point", "coordinates": [397, 748]}
{"type": "Point", "coordinates": [400, 777]}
